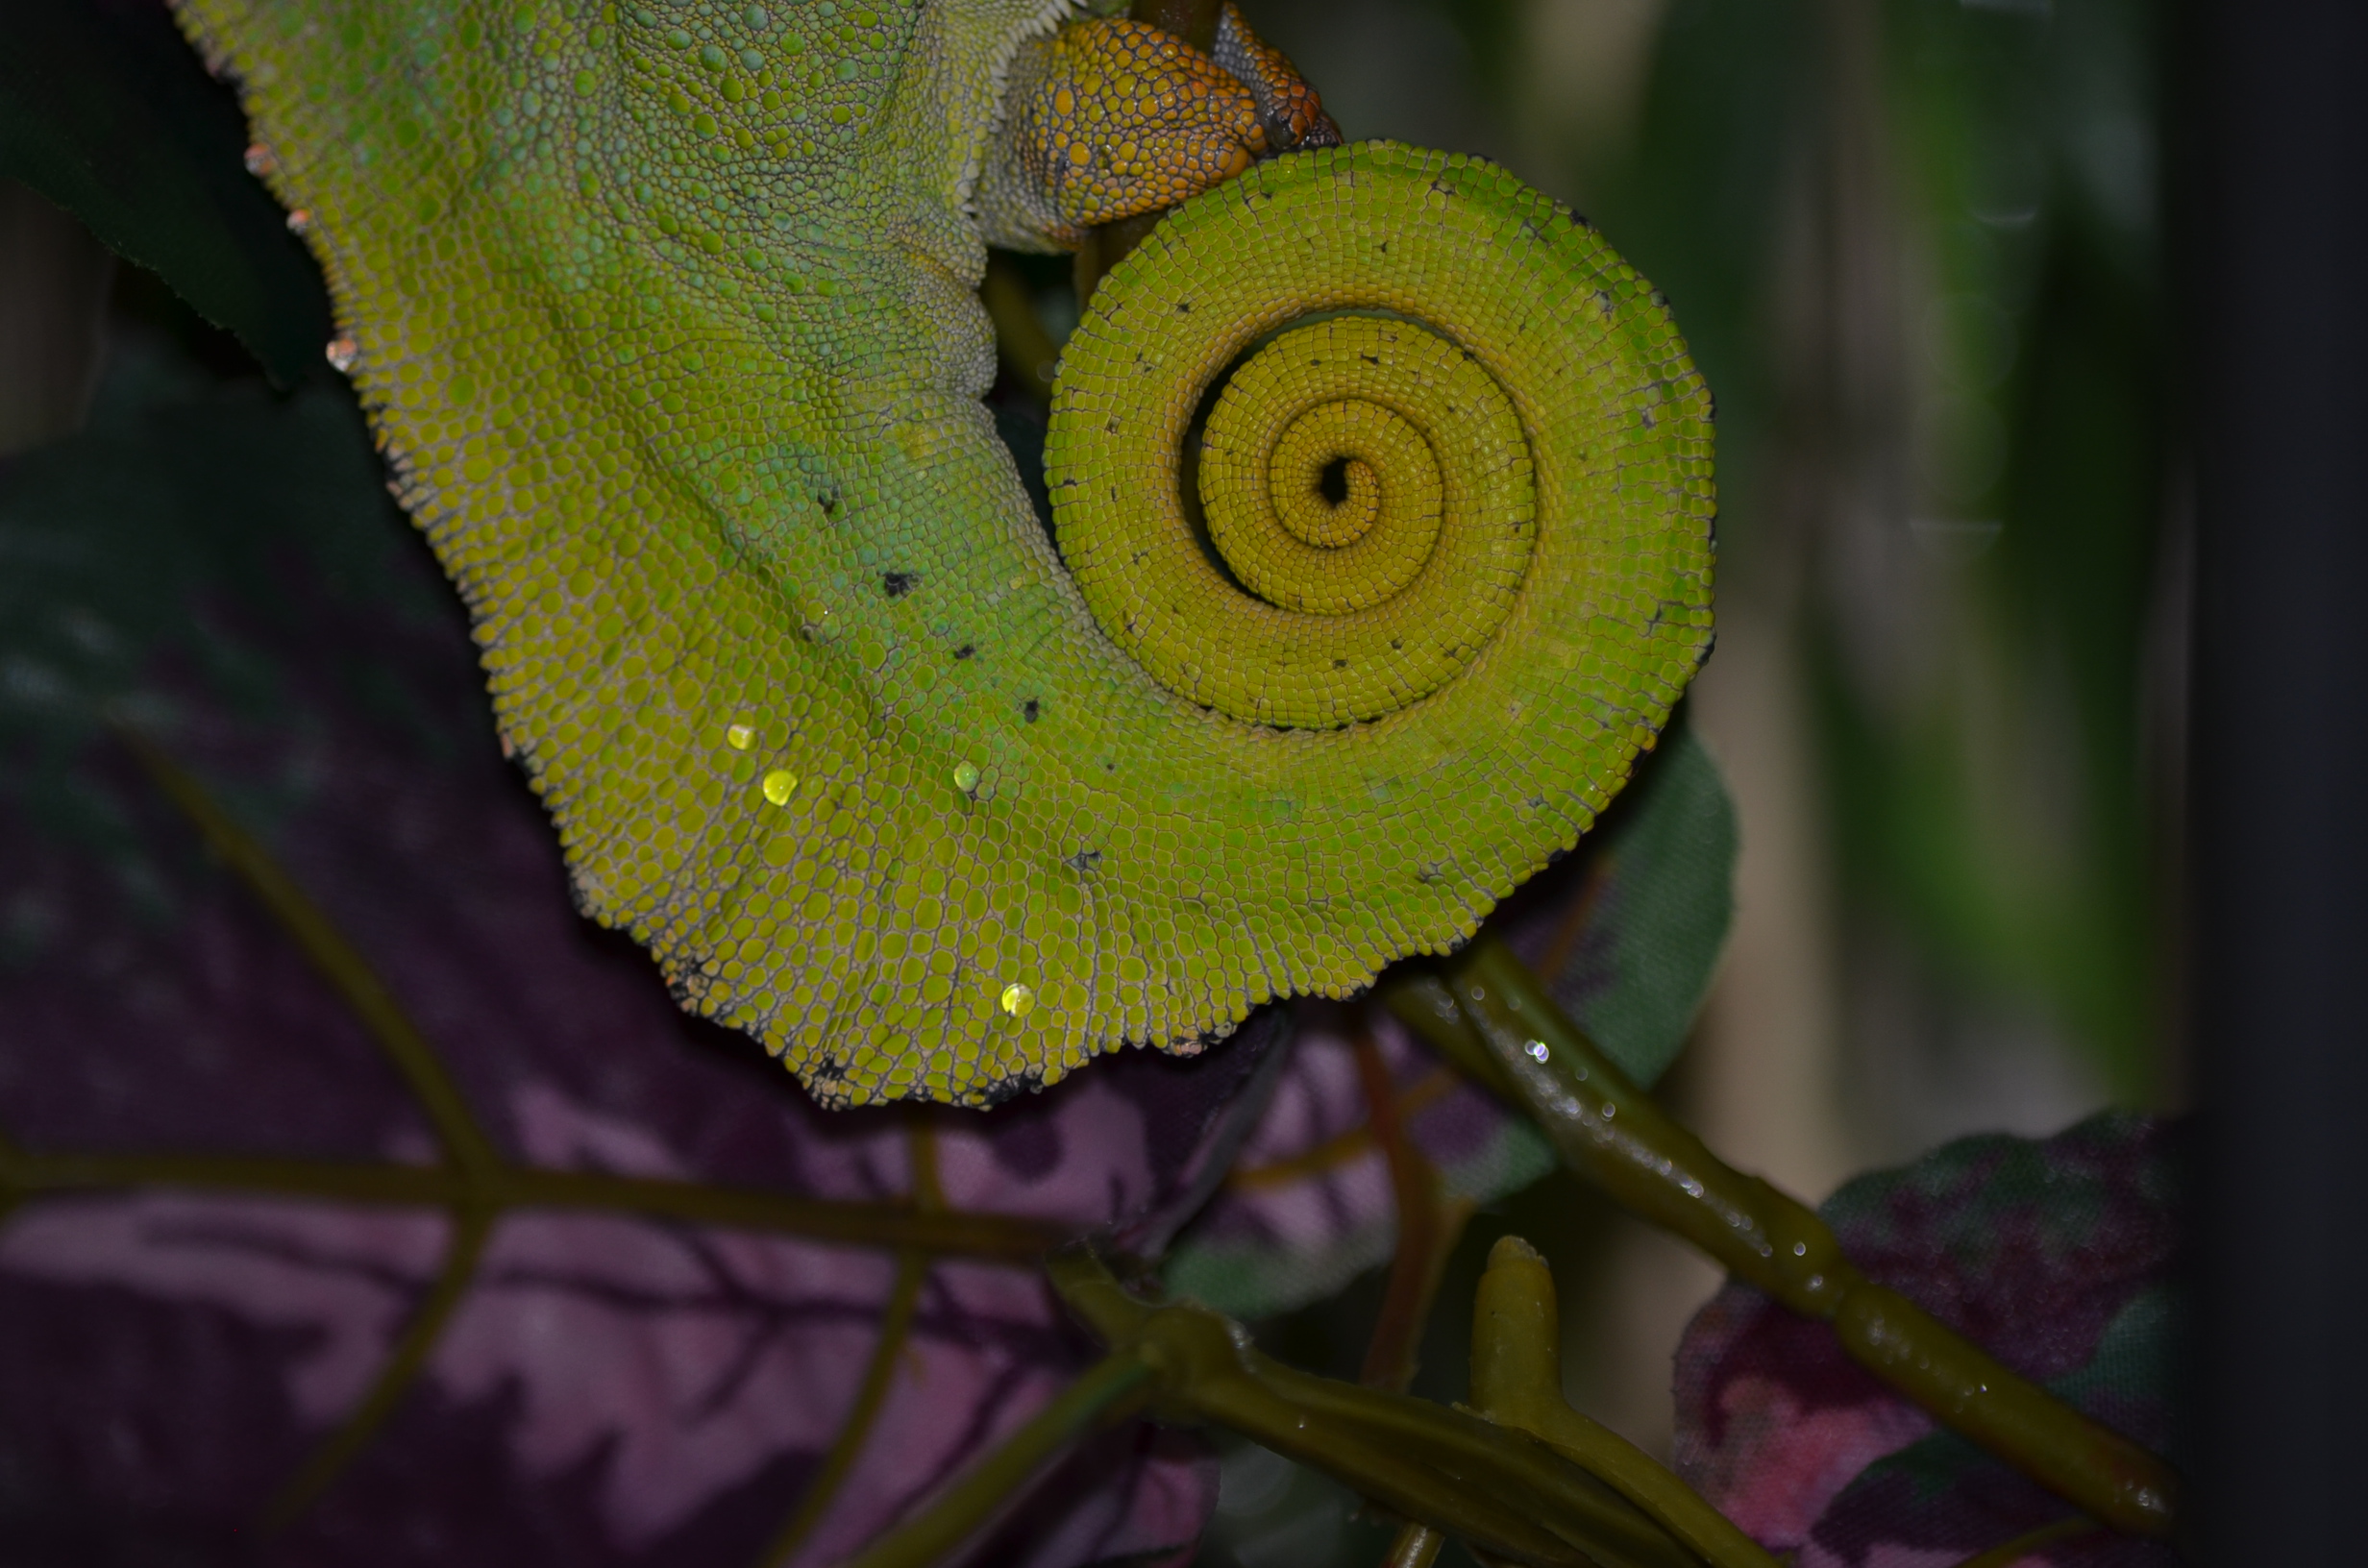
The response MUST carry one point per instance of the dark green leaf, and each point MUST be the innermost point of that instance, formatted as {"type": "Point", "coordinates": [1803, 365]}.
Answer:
{"type": "Point", "coordinates": [106, 112]}
{"type": "Point", "coordinates": [1629, 937]}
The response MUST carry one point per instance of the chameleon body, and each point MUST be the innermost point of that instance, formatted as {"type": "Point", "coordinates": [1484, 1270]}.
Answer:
{"type": "Point", "coordinates": [665, 317]}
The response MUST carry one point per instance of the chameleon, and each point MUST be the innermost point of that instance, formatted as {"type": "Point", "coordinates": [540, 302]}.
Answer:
{"type": "Point", "coordinates": [1382, 533]}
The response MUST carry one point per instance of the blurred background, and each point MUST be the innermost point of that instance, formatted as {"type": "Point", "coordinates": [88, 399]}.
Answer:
{"type": "Point", "coordinates": [1915, 246]}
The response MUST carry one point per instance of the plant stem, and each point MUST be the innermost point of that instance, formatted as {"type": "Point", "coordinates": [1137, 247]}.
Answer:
{"type": "Point", "coordinates": [1506, 1494]}
{"type": "Point", "coordinates": [1115, 1388]}
{"type": "Point", "coordinates": [332, 957]}
{"type": "Point", "coordinates": [1516, 1377]}
{"type": "Point", "coordinates": [1344, 1147]}
{"type": "Point", "coordinates": [1491, 1017]}
{"type": "Point", "coordinates": [394, 1377]}
{"type": "Point", "coordinates": [949, 1232]}
{"type": "Point", "coordinates": [2007, 1553]}
{"type": "Point", "coordinates": [895, 1334]}
{"type": "Point", "coordinates": [1414, 1546]}
{"type": "Point", "coordinates": [1428, 1228]}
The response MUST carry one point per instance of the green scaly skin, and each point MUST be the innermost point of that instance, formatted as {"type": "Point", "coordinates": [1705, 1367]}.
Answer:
{"type": "Point", "coordinates": [665, 316]}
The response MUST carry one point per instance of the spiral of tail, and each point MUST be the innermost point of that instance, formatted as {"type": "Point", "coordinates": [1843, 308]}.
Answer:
{"type": "Point", "coordinates": [1322, 437]}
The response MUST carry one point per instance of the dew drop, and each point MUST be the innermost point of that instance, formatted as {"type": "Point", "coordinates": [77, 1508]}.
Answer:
{"type": "Point", "coordinates": [740, 737]}
{"type": "Point", "coordinates": [779, 785]}
{"type": "Point", "coordinates": [342, 353]}
{"type": "Point", "coordinates": [1018, 1001]}
{"type": "Point", "coordinates": [965, 776]}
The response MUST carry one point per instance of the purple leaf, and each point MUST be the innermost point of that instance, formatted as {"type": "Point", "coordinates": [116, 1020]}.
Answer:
{"type": "Point", "coordinates": [196, 1300]}
{"type": "Point", "coordinates": [2054, 1255]}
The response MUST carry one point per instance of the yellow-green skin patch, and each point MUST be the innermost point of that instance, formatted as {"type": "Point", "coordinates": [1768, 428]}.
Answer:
{"type": "Point", "coordinates": [666, 319]}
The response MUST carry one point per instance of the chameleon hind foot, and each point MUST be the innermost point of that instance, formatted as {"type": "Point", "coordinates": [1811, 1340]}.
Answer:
{"type": "Point", "coordinates": [1108, 118]}
{"type": "Point", "coordinates": [1288, 107]}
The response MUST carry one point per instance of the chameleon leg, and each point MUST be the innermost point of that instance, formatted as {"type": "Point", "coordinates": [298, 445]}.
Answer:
{"type": "Point", "coordinates": [1109, 117]}
{"type": "Point", "coordinates": [1288, 107]}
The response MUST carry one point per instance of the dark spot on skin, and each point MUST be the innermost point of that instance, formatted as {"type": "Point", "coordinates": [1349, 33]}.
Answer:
{"type": "Point", "coordinates": [897, 584]}
{"type": "Point", "coordinates": [1029, 710]}
{"type": "Point", "coordinates": [965, 651]}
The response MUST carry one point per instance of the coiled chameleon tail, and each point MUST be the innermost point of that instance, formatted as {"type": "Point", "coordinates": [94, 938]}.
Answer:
{"type": "Point", "coordinates": [666, 319]}
{"type": "Point", "coordinates": [1439, 425]}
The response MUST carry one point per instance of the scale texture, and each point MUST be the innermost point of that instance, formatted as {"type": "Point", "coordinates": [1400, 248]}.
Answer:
{"type": "Point", "coordinates": [665, 318]}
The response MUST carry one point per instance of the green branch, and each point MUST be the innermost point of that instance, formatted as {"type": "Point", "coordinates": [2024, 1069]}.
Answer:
{"type": "Point", "coordinates": [943, 1233]}
{"type": "Point", "coordinates": [1489, 1014]}
{"type": "Point", "coordinates": [1509, 1495]}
